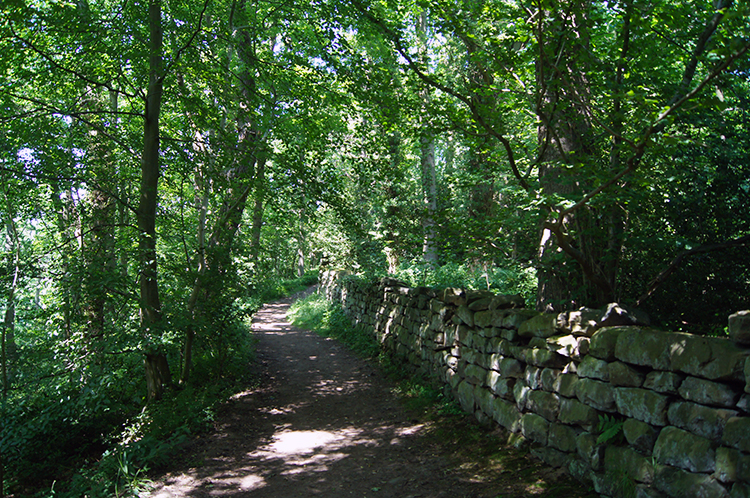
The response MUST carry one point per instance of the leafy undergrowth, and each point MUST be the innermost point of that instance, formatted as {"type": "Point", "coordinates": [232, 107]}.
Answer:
{"type": "Point", "coordinates": [491, 456]}
{"type": "Point", "coordinates": [97, 445]}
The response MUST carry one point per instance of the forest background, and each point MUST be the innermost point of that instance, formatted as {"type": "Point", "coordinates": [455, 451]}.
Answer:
{"type": "Point", "coordinates": [165, 165]}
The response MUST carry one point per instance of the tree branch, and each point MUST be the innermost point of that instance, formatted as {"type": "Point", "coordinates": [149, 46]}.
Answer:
{"type": "Point", "coordinates": [676, 262]}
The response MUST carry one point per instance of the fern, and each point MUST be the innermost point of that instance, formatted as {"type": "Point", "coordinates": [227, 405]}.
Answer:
{"type": "Point", "coordinates": [610, 429]}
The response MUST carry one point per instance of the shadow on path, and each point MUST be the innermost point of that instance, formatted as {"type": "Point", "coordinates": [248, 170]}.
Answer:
{"type": "Point", "coordinates": [324, 423]}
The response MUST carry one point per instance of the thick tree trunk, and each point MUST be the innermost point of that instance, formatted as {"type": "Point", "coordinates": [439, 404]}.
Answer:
{"type": "Point", "coordinates": [562, 107]}
{"type": "Point", "coordinates": [99, 241]}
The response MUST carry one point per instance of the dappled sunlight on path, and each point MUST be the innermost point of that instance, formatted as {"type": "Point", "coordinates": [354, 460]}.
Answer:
{"type": "Point", "coordinates": [323, 423]}
{"type": "Point", "coordinates": [314, 428]}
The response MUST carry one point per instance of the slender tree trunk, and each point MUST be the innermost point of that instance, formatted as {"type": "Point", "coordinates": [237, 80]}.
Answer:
{"type": "Point", "coordinates": [301, 239]}
{"type": "Point", "coordinates": [201, 186]}
{"type": "Point", "coordinates": [9, 322]}
{"type": "Point", "coordinates": [259, 195]}
{"type": "Point", "coordinates": [157, 367]}
{"type": "Point", "coordinates": [427, 159]}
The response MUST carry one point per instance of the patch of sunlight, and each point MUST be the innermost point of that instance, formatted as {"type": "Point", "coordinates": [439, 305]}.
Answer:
{"type": "Point", "coordinates": [330, 386]}
{"type": "Point", "coordinates": [252, 481]}
{"type": "Point", "coordinates": [536, 488]}
{"type": "Point", "coordinates": [301, 442]}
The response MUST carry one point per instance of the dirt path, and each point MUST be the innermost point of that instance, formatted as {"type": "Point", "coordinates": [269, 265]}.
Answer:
{"type": "Point", "coordinates": [324, 423]}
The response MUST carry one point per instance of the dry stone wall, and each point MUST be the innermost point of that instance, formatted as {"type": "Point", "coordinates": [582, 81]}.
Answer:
{"type": "Point", "coordinates": [676, 407]}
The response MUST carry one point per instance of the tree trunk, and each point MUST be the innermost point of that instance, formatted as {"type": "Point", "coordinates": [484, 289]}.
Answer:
{"type": "Point", "coordinates": [301, 239]}
{"type": "Point", "coordinates": [427, 159]}
{"type": "Point", "coordinates": [562, 108]}
{"type": "Point", "coordinates": [157, 368]}
{"type": "Point", "coordinates": [99, 241]}
{"type": "Point", "coordinates": [9, 323]}
{"type": "Point", "coordinates": [259, 194]}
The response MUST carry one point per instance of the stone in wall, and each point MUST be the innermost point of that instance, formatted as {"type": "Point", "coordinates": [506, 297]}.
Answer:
{"type": "Point", "coordinates": [453, 296]}
{"type": "Point", "coordinates": [589, 451]}
{"type": "Point", "coordinates": [521, 391]}
{"type": "Point", "coordinates": [543, 403]}
{"type": "Point", "coordinates": [679, 448]}
{"type": "Point", "coordinates": [465, 315]}
{"type": "Point", "coordinates": [744, 403]}
{"type": "Point", "coordinates": [708, 357]}
{"type": "Point", "coordinates": [579, 469]}
{"type": "Point", "coordinates": [506, 414]}
{"type": "Point", "coordinates": [508, 367]}
{"type": "Point", "coordinates": [565, 384]}
{"type": "Point", "coordinates": [604, 342]}
{"type": "Point", "coordinates": [640, 435]}
{"type": "Point", "coordinates": [563, 437]}
{"type": "Point", "coordinates": [484, 400]}
{"type": "Point", "coordinates": [534, 427]}
{"type": "Point", "coordinates": [596, 394]}
{"type": "Point", "coordinates": [616, 315]}
{"type": "Point", "coordinates": [623, 375]}
{"type": "Point", "coordinates": [549, 376]}
{"type": "Point", "coordinates": [483, 319]}
{"type": "Point", "coordinates": [539, 357]}
{"type": "Point", "coordinates": [565, 345]}
{"type": "Point", "coordinates": [624, 460]}
{"type": "Point", "coordinates": [701, 420]}
{"type": "Point", "coordinates": [583, 321]}
{"type": "Point", "coordinates": [643, 346]}
{"type": "Point", "coordinates": [541, 325]}
{"type": "Point", "coordinates": [507, 301]}
{"type": "Point", "coordinates": [737, 433]}
{"type": "Point", "coordinates": [677, 483]}
{"type": "Point", "coordinates": [642, 404]}
{"type": "Point", "coordinates": [594, 368]}
{"type": "Point", "coordinates": [474, 374]}
{"type": "Point", "coordinates": [730, 464]}
{"type": "Point", "coordinates": [533, 377]}
{"type": "Point", "coordinates": [712, 358]}
{"type": "Point", "coordinates": [501, 386]}
{"type": "Point", "coordinates": [740, 490]}
{"type": "Point", "coordinates": [466, 396]}
{"type": "Point", "coordinates": [663, 382]}
{"type": "Point", "coordinates": [573, 412]}
{"type": "Point", "coordinates": [739, 327]}
{"type": "Point", "coordinates": [708, 393]}
{"type": "Point", "coordinates": [550, 456]}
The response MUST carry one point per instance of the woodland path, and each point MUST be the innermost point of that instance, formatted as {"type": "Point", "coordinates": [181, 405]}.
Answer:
{"type": "Point", "coordinates": [324, 423]}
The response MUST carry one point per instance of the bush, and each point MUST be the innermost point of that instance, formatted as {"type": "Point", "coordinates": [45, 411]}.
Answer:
{"type": "Point", "coordinates": [501, 280]}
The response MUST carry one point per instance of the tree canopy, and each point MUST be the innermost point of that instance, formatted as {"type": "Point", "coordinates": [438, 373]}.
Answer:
{"type": "Point", "coordinates": [165, 164]}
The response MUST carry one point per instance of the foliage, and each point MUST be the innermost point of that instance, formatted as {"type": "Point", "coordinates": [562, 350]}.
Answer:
{"type": "Point", "coordinates": [610, 430]}
{"type": "Point", "coordinates": [512, 279]}
{"type": "Point", "coordinates": [296, 136]}
{"type": "Point", "coordinates": [325, 318]}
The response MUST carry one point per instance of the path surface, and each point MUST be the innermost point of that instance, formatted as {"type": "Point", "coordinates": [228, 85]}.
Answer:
{"type": "Point", "coordinates": [324, 423]}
